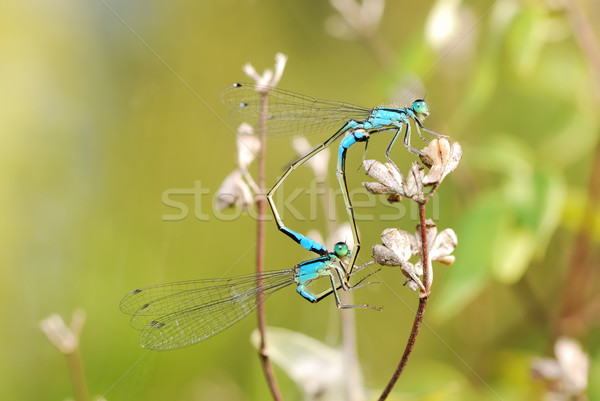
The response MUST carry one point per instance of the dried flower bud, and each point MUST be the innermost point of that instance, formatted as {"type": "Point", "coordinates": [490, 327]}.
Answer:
{"type": "Point", "coordinates": [354, 18]}
{"type": "Point", "coordinates": [385, 256]}
{"type": "Point", "coordinates": [280, 61]}
{"type": "Point", "coordinates": [393, 198]}
{"type": "Point", "coordinates": [234, 190]}
{"type": "Point", "coordinates": [426, 160]}
{"type": "Point", "coordinates": [575, 364]}
{"type": "Point", "coordinates": [398, 246]}
{"type": "Point", "coordinates": [444, 157]}
{"type": "Point", "coordinates": [398, 241]}
{"type": "Point", "coordinates": [267, 79]}
{"type": "Point", "coordinates": [386, 174]}
{"type": "Point", "coordinates": [446, 260]}
{"type": "Point", "coordinates": [567, 375]}
{"type": "Point", "coordinates": [439, 246]}
{"type": "Point", "coordinates": [414, 181]}
{"type": "Point", "coordinates": [248, 145]}
{"type": "Point", "coordinates": [443, 245]}
{"type": "Point", "coordinates": [65, 338]}
{"type": "Point", "coordinates": [378, 189]}
{"type": "Point", "coordinates": [390, 180]}
{"type": "Point", "coordinates": [430, 234]}
{"type": "Point", "coordinates": [261, 80]}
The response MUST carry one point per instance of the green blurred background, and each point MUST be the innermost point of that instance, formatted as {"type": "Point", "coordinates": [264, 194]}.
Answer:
{"type": "Point", "coordinates": [105, 105]}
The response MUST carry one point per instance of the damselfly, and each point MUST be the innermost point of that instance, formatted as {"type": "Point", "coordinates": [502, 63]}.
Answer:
{"type": "Point", "coordinates": [295, 114]}
{"type": "Point", "coordinates": [176, 315]}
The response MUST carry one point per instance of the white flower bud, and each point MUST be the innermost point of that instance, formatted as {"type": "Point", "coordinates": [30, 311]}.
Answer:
{"type": "Point", "coordinates": [234, 190]}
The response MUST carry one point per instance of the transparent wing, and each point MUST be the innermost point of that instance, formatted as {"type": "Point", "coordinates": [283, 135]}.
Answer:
{"type": "Point", "coordinates": [176, 315]}
{"type": "Point", "coordinates": [289, 113]}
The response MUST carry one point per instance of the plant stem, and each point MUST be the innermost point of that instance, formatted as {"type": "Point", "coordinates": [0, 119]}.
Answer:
{"type": "Point", "coordinates": [420, 310]}
{"type": "Point", "coordinates": [581, 275]}
{"type": "Point", "coordinates": [77, 377]}
{"type": "Point", "coordinates": [407, 350]}
{"type": "Point", "coordinates": [424, 250]}
{"type": "Point", "coordinates": [261, 205]}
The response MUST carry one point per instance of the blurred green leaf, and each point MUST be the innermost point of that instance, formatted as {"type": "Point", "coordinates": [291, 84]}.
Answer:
{"type": "Point", "coordinates": [507, 227]}
{"type": "Point", "coordinates": [477, 233]}
{"type": "Point", "coordinates": [547, 209]}
{"type": "Point", "coordinates": [513, 252]}
{"type": "Point", "coordinates": [526, 233]}
{"type": "Point", "coordinates": [525, 39]}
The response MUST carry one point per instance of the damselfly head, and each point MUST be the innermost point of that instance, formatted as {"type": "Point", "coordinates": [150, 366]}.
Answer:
{"type": "Point", "coordinates": [420, 107]}
{"type": "Point", "coordinates": [341, 250]}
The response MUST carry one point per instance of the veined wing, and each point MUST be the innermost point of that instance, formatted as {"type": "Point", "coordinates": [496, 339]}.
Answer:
{"type": "Point", "coordinates": [176, 315]}
{"type": "Point", "coordinates": [289, 113]}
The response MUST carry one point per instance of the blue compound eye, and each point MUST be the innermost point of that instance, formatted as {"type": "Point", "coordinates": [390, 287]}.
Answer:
{"type": "Point", "coordinates": [341, 249]}
{"type": "Point", "coordinates": [420, 107]}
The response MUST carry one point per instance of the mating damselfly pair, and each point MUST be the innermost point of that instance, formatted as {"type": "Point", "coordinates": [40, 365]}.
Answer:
{"type": "Point", "coordinates": [176, 315]}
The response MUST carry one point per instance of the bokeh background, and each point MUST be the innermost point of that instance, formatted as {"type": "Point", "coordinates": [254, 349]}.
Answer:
{"type": "Point", "coordinates": [108, 104]}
